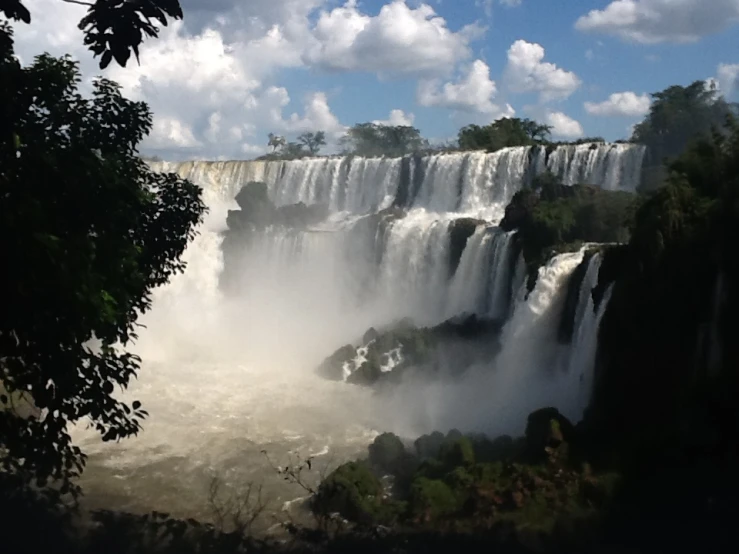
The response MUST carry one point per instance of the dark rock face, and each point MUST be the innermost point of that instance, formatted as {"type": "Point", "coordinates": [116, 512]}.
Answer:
{"type": "Point", "coordinates": [255, 214]}
{"type": "Point", "coordinates": [258, 212]}
{"type": "Point", "coordinates": [370, 335]}
{"type": "Point", "coordinates": [333, 367]}
{"type": "Point", "coordinates": [460, 230]}
{"type": "Point", "coordinates": [386, 354]}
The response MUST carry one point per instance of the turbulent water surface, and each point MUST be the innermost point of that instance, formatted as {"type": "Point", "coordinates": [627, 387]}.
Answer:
{"type": "Point", "coordinates": [227, 377]}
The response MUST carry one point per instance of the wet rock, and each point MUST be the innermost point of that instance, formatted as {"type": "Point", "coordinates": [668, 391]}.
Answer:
{"type": "Point", "coordinates": [366, 374]}
{"type": "Point", "coordinates": [300, 215]}
{"type": "Point", "coordinates": [460, 230]}
{"type": "Point", "coordinates": [370, 335]}
{"type": "Point", "coordinates": [333, 367]}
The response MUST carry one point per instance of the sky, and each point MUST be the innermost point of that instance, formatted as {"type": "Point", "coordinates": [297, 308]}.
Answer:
{"type": "Point", "coordinates": [235, 70]}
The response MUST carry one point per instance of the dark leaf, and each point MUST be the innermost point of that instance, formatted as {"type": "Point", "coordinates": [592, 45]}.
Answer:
{"type": "Point", "coordinates": [106, 58]}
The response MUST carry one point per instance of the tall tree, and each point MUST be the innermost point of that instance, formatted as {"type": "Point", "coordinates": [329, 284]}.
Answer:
{"type": "Point", "coordinates": [276, 141]}
{"type": "Point", "coordinates": [313, 141]}
{"type": "Point", "coordinates": [113, 28]}
{"type": "Point", "coordinates": [503, 133]}
{"type": "Point", "coordinates": [678, 116]}
{"type": "Point", "coordinates": [87, 230]}
{"type": "Point", "coordinates": [373, 139]}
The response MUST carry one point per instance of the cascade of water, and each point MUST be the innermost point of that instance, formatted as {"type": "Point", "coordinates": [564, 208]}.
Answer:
{"type": "Point", "coordinates": [529, 343]}
{"type": "Point", "coordinates": [414, 271]}
{"type": "Point", "coordinates": [501, 275]}
{"type": "Point", "coordinates": [610, 166]}
{"type": "Point", "coordinates": [478, 184]}
{"type": "Point", "coordinates": [470, 282]}
{"type": "Point", "coordinates": [482, 282]}
{"type": "Point", "coordinates": [579, 359]}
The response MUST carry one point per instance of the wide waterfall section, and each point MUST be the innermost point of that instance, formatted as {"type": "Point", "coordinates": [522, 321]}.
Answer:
{"type": "Point", "coordinates": [478, 184]}
{"type": "Point", "coordinates": [227, 375]}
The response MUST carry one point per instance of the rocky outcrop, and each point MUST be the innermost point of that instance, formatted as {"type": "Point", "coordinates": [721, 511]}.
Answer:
{"type": "Point", "coordinates": [333, 367]}
{"type": "Point", "coordinates": [460, 230]}
{"type": "Point", "coordinates": [387, 353]}
{"type": "Point", "coordinates": [256, 212]}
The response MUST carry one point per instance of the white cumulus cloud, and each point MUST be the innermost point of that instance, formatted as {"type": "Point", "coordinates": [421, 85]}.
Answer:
{"type": "Point", "coordinates": [398, 41]}
{"type": "Point", "coordinates": [655, 21]}
{"type": "Point", "coordinates": [474, 92]}
{"type": "Point", "coordinates": [563, 126]}
{"type": "Point", "coordinates": [527, 71]}
{"type": "Point", "coordinates": [208, 80]}
{"type": "Point", "coordinates": [621, 104]}
{"type": "Point", "coordinates": [397, 118]}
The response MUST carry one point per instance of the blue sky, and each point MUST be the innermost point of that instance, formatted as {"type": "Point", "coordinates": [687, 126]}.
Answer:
{"type": "Point", "coordinates": [235, 70]}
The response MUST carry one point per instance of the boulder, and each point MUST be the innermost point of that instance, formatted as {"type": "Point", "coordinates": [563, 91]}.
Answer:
{"type": "Point", "coordinates": [333, 366]}
{"type": "Point", "coordinates": [300, 215]}
{"type": "Point", "coordinates": [257, 210]}
{"type": "Point", "coordinates": [370, 335]}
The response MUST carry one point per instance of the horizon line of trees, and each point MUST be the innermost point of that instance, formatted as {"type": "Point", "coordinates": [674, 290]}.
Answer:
{"type": "Point", "coordinates": [678, 116]}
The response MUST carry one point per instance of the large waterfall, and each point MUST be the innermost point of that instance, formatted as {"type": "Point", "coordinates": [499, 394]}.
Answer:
{"type": "Point", "coordinates": [372, 273]}
{"type": "Point", "coordinates": [229, 373]}
{"type": "Point", "coordinates": [474, 183]}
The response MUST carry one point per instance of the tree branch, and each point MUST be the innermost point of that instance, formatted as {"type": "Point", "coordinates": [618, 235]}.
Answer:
{"type": "Point", "coordinates": [90, 4]}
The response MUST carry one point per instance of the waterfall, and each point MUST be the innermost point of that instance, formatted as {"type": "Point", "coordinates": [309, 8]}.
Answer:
{"type": "Point", "coordinates": [579, 358]}
{"type": "Point", "coordinates": [414, 271]}
{"type": "Point", "coordinates": [365, 266]}
{"type": "Point", "coordinates": [524, 368]}
{"type": "Point", "coordinates": [477, 184]}
{"type": "Point", "coordinates": [482, 282]}
{"type": "Point", "coordinates": [610, 166]}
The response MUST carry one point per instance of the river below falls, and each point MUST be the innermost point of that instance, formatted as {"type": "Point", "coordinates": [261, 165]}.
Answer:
{"type": "Point", "coordinates": [217, 421]}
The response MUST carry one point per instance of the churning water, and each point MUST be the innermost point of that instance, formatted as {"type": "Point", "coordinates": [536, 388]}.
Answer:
{"type": "Point", "coordinates": [225, 378]}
